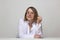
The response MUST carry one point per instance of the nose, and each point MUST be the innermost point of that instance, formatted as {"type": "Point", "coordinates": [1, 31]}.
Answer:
{"type": "Point", "coordinates": [29, 14]}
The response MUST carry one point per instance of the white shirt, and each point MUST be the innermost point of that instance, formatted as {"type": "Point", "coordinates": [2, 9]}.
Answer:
{"type": "Point", "coordinates": [24, 31]}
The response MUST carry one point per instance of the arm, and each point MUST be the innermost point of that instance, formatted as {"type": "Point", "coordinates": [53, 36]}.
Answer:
{"type": "Point", "coordinates": [39, 28]}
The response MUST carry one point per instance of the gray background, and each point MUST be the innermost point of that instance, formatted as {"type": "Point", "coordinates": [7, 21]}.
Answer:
{"type": "Point", "coordinates": [12, 10]}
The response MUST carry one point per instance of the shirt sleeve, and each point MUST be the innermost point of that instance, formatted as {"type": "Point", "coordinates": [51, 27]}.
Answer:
{"type": "Point", "coordinates": [39, 29]}
{"type": "Point", "coordinates": [22, 32]}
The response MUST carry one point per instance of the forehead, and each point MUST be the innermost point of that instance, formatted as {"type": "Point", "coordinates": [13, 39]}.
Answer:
{"type": "Point", "coordinates": [30, 10]}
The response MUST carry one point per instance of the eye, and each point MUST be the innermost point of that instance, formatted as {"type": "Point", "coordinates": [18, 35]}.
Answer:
{"type": "Point", "coordinates": [32, 13]}
{"type": "Point", "coordinates": [27, 12]}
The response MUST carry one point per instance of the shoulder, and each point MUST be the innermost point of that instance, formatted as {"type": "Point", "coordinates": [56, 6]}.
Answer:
{"type": "Point", "coordinates": [22, 23]}
{"type": "Point", "coordinates": [21, 20]}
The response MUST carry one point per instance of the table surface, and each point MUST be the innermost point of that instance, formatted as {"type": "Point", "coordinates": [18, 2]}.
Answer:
{"type": "Point", "coordinates": [29, 39]}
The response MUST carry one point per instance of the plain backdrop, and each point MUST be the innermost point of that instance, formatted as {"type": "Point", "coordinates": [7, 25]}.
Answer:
{"type": "Point", "coordinates": [12, 10]}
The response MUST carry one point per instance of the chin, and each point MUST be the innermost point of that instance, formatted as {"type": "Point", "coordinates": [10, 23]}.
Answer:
{"type": "Point", "coordinates": [29, 19]}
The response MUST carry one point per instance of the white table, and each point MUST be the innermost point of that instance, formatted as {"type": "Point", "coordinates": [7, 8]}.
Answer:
{"type": "Point", "coordinates": [29, 39]}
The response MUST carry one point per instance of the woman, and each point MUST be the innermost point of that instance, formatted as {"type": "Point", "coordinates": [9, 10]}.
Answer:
{"type": "Point", "coordinates": [30, 26]}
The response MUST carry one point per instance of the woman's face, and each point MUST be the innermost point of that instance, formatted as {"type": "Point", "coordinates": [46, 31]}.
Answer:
{"type": "Point", "coordinates": [30, 14]}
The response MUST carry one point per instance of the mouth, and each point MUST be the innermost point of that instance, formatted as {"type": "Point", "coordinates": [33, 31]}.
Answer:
{"type": "Point", "coordinates": [29, 17]}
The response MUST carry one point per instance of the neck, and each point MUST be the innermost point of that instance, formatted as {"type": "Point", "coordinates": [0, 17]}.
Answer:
{"type": "Point", "coordinates": [31, 21]}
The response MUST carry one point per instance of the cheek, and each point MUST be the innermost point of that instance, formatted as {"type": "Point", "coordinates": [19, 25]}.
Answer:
{"type": "Point", "coordinates": [33, 16]}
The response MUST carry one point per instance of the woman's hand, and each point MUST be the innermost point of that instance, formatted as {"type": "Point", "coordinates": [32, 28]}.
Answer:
{"type": "Point", "coordinates": [39, 19]}
{"type": "Point", "coordinates": [37, 36]}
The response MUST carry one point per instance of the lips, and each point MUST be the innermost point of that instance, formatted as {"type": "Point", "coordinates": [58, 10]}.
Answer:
{"type": "Point", "coordinates": [29, 16]}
